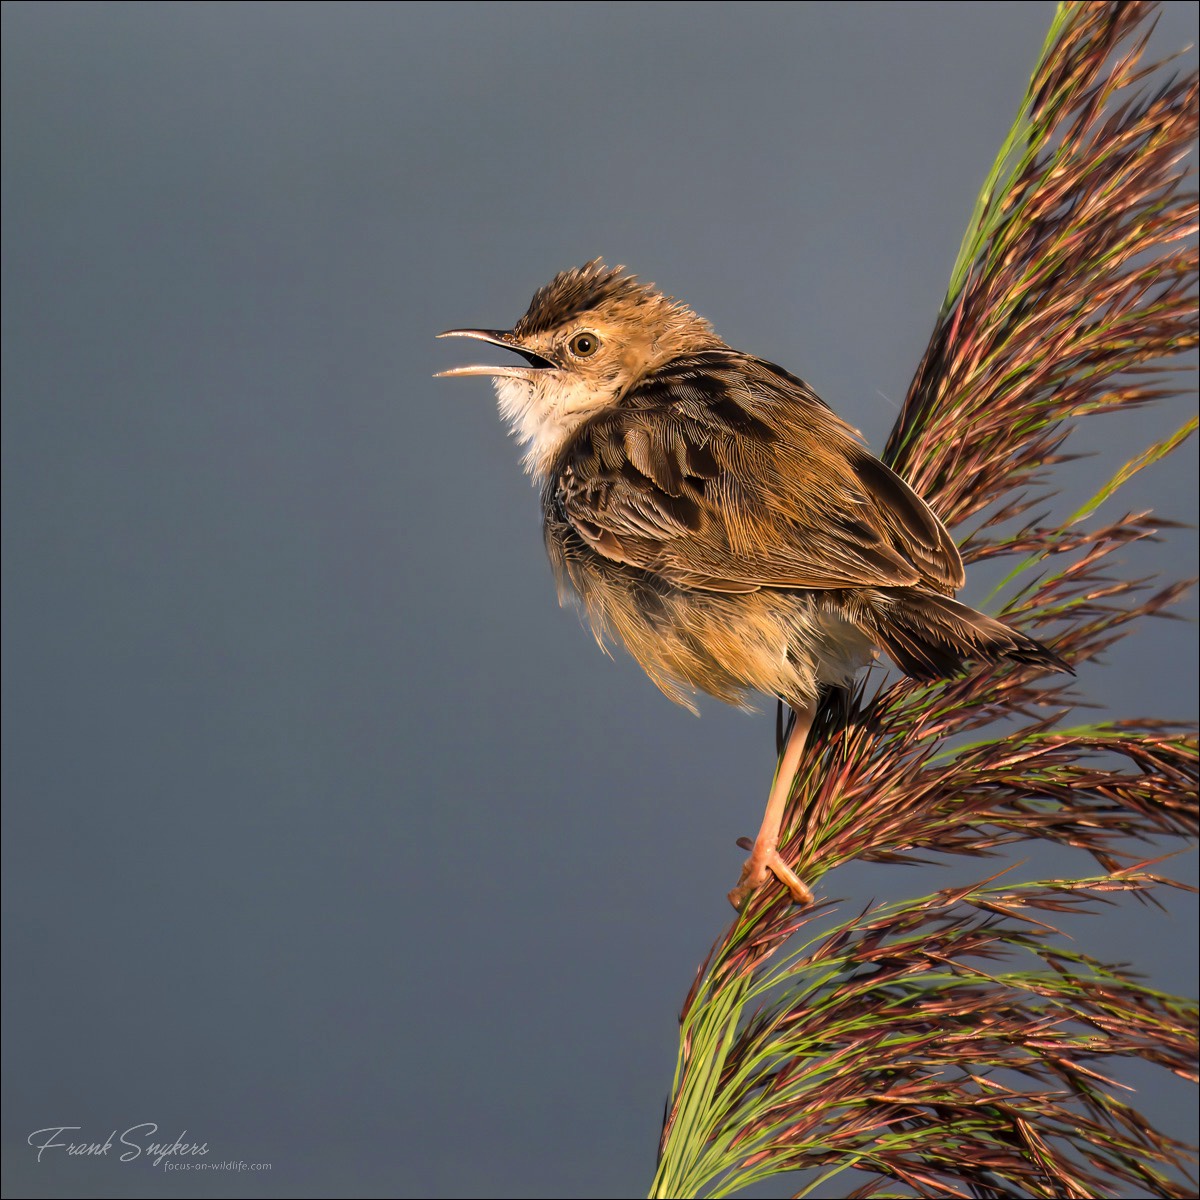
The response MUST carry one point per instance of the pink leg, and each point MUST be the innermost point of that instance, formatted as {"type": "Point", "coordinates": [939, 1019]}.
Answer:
{"type": "Point", "coordinates": [764, 858]}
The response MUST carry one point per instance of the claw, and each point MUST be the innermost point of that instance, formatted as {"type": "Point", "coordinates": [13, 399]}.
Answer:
{"type": "Point", "coordinates": [758, 866]}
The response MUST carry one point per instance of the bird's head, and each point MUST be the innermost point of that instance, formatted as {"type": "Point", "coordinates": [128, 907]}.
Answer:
{"type": "Point", "coordinates": [588, 336]}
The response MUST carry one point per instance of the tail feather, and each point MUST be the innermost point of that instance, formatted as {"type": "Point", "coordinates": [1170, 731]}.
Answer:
{"type": "Point", "coordinates": [931, 637]}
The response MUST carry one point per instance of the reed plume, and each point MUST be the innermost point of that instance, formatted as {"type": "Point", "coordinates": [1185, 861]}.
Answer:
{"type": "Point", "coordinates": [953, 1044]}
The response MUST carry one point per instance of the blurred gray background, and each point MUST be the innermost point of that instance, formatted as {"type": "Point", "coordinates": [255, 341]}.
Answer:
{"type": "Point", "coordinates": [330, 838]}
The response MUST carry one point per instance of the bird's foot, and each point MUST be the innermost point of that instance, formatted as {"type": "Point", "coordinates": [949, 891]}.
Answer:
{"type": "Point", "coordinates": [763, 861]}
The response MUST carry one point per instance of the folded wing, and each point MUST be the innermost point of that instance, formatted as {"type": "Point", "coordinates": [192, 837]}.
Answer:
{"type": "Point", "coordinates": [725, 473]}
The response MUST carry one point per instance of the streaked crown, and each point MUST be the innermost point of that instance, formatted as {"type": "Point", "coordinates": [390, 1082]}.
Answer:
{"type": "Point", "coordinates": [573, 294]}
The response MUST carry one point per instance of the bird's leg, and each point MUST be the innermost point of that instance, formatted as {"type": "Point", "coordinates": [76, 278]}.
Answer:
{"type": "Point", "coordinates": [764, 855]}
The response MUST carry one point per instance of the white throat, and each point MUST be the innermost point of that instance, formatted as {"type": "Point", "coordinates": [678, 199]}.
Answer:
{"type": "Point", "coordinates": [542, 416]}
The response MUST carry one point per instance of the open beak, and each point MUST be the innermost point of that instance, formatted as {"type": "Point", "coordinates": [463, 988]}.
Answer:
{"type": "Point", "coordinates": [498, 337]}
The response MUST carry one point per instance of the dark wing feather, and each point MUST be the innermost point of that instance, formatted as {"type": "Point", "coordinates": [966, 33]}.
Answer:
{"type": "Point", "coordinates": [908, 523]}
{"type": "Point", "coordinates": [725, 473]}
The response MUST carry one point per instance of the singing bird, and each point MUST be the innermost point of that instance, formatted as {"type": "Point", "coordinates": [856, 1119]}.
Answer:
{"type": "Point", "coordinates": [711, 511]}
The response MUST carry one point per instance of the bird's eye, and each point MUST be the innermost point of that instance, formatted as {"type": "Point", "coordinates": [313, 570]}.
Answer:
{"type": "Point", "coordinates": [584, 345]}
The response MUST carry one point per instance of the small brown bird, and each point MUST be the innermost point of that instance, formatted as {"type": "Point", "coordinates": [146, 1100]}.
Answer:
{"type": "Point", "coordinates": [711, 511]}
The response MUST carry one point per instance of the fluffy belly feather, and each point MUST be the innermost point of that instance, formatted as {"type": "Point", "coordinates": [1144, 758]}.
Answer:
{"type": "Point", "coordinates": [784, 643]}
